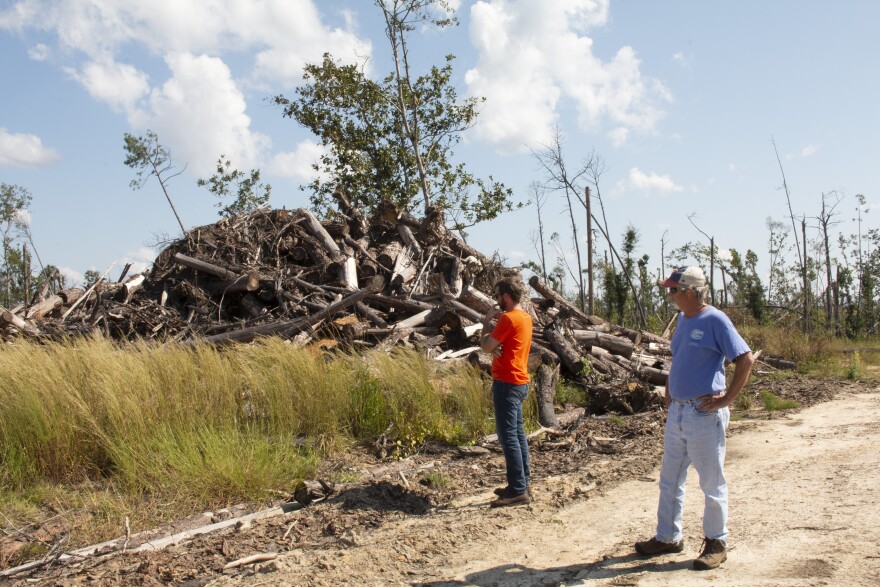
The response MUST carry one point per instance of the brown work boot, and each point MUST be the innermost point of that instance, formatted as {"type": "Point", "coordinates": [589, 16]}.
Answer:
{"type": "Point", "coordinates": [714, 553]}
{"type": "Point", "coordinates": [505, 491]}
{"type": "Point", "coordinates": [505, 500]}
{"type": "Point", "coordinates": [653, 547]}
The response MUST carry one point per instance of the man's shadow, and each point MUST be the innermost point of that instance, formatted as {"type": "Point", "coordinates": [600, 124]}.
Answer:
{"type": "Point", "coordinates": [520, 575]}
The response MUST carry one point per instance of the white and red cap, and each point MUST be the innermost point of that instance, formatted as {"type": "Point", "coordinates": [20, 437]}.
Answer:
{"type": "Point", "coordinates": [685, 277]}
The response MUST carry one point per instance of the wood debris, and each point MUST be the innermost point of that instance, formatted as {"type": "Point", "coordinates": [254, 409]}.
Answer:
{"type": "Point", "coordinates": [376, 282]}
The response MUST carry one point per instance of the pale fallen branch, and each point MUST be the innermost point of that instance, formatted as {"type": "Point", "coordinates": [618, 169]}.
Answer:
{"type": "Point", "coordinates": [254, 558]}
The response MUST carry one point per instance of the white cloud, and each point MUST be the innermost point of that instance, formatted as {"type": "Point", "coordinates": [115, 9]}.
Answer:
{"type": "Point", "coordinates": [140, 260]}
{"type": "Point", "coordinates": [809, 151]}
{"type": "Point", "coordinates": [682, 59]}
{"type": "Point", "coordinates": [24, 150]}
{"type": "Point", "coordinates": [284, 33]}
{"type": "Point", "coordinates": [71, 276]}
{"type": "Point", "coordinates": [298, 164]}
{"type": "Point", "coordinates": [199, 110]}
{"type": "Point", "coordinates": [646, 183]}
{"type": "Point", "coordinates": [514, 254]}
{"type": "Point", "coordinates": [533, 54]}
{"type": "Point", "coordinates": [118, 84]}
{"type": "Point", "coordinates": [200, 113]}
{"type": "Point", "coordinates": [39, 52]}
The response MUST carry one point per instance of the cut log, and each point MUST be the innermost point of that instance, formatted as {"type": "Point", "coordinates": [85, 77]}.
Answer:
{"type": "Point", "coordinates": [475, 299]}
{"type": "Point", "coordinates": [455, 278]}
{"type": "Point", "coordinates": [388, 255]}
{"type": "Point", "coordinates": [545, 390]}
{"type": "Point", "coordinates": [413, 321]}
{"type": "Point", "coordinates": [614, 344]}
{"type": "Point", "coordinates": [409, 239]}
{"type": "Point", "coordinates": [289, 327]}
{"type": "Point", "coordinates": [18, 322]}
{"type": "Point", "coordinates": [568, 355]}
{"type": "Point", "coordinates": [317, 230]}
{"type": "Point", "coordinates": [404, 271]}
{"type": "Point", "coordinates": [560, 302]}
{"type": "Point", "coordinates": [203, 266]}
{"type": "Point", "coordinates": [37, 311]}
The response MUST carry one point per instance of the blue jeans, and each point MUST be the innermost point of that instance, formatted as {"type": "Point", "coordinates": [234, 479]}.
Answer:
{"type": "Point", "coordinates": [508, 400]}
{"type": "Point", "coordinates": [693, 436]}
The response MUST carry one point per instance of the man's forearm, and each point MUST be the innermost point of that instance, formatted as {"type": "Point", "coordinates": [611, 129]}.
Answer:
{"type": "Point", "coordinates": [742, 367]}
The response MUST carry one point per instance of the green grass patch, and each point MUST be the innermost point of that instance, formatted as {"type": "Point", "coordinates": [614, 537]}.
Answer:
{"type": "Point", "coordinates": [201, 427]}
{"type": "Point", "coordinates": [774, 403]}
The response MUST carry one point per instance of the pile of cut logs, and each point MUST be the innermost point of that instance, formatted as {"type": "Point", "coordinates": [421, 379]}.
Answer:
{"type": "Point", "coordinates": [390, 279]}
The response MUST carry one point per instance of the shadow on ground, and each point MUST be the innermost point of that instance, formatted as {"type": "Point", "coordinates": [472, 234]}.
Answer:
{"type": "Point", "coordinates": [608, 568]}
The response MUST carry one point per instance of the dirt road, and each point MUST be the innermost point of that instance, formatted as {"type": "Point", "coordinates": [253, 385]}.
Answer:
{"type": "Point", "coordinates": [804, 511]}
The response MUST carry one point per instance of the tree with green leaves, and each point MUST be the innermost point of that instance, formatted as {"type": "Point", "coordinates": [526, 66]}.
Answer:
{"type": "Point", "coordinates": [14, 202]}
{"type": "Point", "coordinates": [149, 158]}
{"type": "Point", "coordinates": [393, 139]}
{"type": "Point", "coordinates": [246, 188]}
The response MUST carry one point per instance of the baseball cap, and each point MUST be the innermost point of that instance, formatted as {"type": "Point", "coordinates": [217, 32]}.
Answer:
{"type": "Point", "coordinates": [685, 277]}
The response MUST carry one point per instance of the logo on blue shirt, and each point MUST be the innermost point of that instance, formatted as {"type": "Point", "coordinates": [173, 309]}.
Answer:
{"type": "Point", "coordinates": [697, 334]}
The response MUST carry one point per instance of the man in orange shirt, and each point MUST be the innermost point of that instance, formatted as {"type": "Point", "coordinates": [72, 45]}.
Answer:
{"type": "Point", "coordinates": [509, 342]}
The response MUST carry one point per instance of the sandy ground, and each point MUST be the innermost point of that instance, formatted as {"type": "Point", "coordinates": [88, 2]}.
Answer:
{"type": "Point", "coordinates": [804, 511]}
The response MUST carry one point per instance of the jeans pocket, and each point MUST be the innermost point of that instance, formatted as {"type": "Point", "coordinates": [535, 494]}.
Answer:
{"type": "Point", "coordinates": [701, 412]}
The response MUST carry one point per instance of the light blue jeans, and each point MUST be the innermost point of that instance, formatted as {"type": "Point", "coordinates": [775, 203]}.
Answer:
{"type": "Point", "coordinates": [697, 437]}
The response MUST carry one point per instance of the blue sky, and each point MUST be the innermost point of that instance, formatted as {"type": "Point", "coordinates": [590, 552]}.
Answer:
{"type": "Point", "coordinates": [680, 99]}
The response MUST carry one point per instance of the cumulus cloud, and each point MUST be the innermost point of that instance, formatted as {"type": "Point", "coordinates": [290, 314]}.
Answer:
{"type": "Point", "coordinates": [297, 164]}
{"type": "Point", "coordinates": [199, 109]}
{"type": "Point", "coordinates": [24, 150]}
{"type": "Point", "coordinates": [534, 54]}
{"type": "Point", "coordinates": [647, 183]}
{"type": "Point", "coordinates": [201, 113]}
{"type": "Point", "coordinates": [118, 84]}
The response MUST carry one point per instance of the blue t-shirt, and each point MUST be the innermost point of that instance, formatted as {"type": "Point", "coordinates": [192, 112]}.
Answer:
{"type": "Point", "coordinates": [699, 346]}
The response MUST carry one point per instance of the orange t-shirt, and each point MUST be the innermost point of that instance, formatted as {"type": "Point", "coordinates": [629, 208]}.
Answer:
{"type": "Point", "coordinates": [514, 332]}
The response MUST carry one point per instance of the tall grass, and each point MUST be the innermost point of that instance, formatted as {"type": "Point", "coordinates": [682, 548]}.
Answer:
{"type": "Point", "coordinates": [210, 426]}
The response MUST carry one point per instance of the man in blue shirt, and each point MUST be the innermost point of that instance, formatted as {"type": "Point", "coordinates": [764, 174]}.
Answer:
{"type": "Point", "coordinates": [697, 398]}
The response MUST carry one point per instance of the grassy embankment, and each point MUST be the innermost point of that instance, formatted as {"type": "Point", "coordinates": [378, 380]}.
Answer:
{"type": "Point", "coordinates": [159, 433]}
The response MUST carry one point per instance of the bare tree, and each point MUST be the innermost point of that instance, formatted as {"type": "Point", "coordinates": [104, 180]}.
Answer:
{"type": "Point", "coordinates": [538, 240]}
{"type": "Point", "coordinates": [830, 201]}
{"type": "Point", "coordinates": [552, 160]}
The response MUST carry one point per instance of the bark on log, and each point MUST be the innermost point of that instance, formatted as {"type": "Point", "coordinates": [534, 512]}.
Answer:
{"type": "Point", "coordinates": [474, 298]}
{"type": "Point", "coordinates": [246, 283]}
{"type": "Point", "coordinates": [412, 321]}
{"type": "Point", "coordinates": [37, 311]}
{"type": "Point", "coordinates": [404, 271]}
{"type": "Point", "coordinates": [568, 355]}
{"type": "Point", "coordinates": [388, 255]}
{"type": "Point", "coordinates": [409, 239]}
{"type": "Point", "coordinates": [203, 266]}
{"type": "Point", "coordinates": [18, 322]}
{"type": "Point", "coordinates": [545, 390]}
{"type": "Point", "coordinates": [560, 302]}
{"type": "Point", "coordinates": [614, 344]}
{"type": "Point", "coordinates": [317, 230]}
{"type": "Point", "coordinates": [358, 224]}
{"type": "Point", "coordinates": [289, 327]}
{"type": "Point", "coordinates": [456, 279]}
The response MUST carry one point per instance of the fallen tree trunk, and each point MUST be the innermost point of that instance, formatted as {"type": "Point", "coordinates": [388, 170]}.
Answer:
{"type": "Point", "coordinates": [289, 327]}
